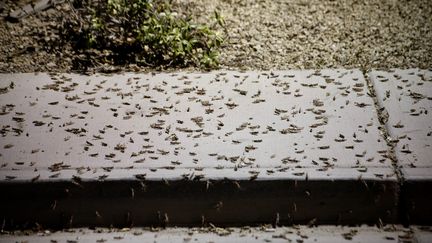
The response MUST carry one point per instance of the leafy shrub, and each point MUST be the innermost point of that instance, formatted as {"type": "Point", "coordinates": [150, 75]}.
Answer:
{"type": "Point", "coordinates": [144, 32]}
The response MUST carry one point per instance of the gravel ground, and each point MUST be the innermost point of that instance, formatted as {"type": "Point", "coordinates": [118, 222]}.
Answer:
{"type": "Point", "coordinates": [263, 34]}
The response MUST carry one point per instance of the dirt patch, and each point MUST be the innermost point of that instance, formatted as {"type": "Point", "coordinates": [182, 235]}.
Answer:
{"type": "Point", "coordinates": [266, 34]}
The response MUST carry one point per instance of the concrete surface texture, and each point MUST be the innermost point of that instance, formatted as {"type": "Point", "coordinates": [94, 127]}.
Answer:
{"type": "Point", "coordinates": [393, 233]}
{"type": "Point", "coordinates": [406, 95]}
{"type": "Point", "coordinates": [293, 124]}
{"type": "Point", "coordinates": [224, 148]}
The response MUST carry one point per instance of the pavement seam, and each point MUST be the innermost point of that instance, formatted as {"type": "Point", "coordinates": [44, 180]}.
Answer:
{"type": "Point", "coordinates": [391, 143]}
{"type": "Point", "coordinates": [382, 118]}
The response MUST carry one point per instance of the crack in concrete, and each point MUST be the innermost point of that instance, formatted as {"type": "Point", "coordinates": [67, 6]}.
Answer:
{"type": "Point", "coordinates": [382, 118]}
{"type": "Point", "coordinates": [391, 143]}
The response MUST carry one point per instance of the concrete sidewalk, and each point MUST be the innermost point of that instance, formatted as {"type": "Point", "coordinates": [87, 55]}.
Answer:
{"type": "Point", "coordinates": [229, 148]}
{"type": "Point", "coordinates": [331, 234]}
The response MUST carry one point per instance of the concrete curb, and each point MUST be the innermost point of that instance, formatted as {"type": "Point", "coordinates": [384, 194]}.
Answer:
{"type": "Point", "coordinates": [406, 97]}
{"type": "Point", "coordinates": [194, 149]}
{"type": "Point", "coordinates": [123, 203]}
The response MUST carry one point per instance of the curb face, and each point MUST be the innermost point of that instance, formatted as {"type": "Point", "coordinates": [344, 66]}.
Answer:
{"type": "Point", "coordinates": [266, 131]}
{"type": "Point", "coordinates": [407, 97]}
{"type": "Point", "coordinates": [189, 203]}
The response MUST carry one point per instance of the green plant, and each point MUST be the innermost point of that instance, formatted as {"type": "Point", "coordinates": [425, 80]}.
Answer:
{"type": "Point", "coordinates": [144, 32]}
